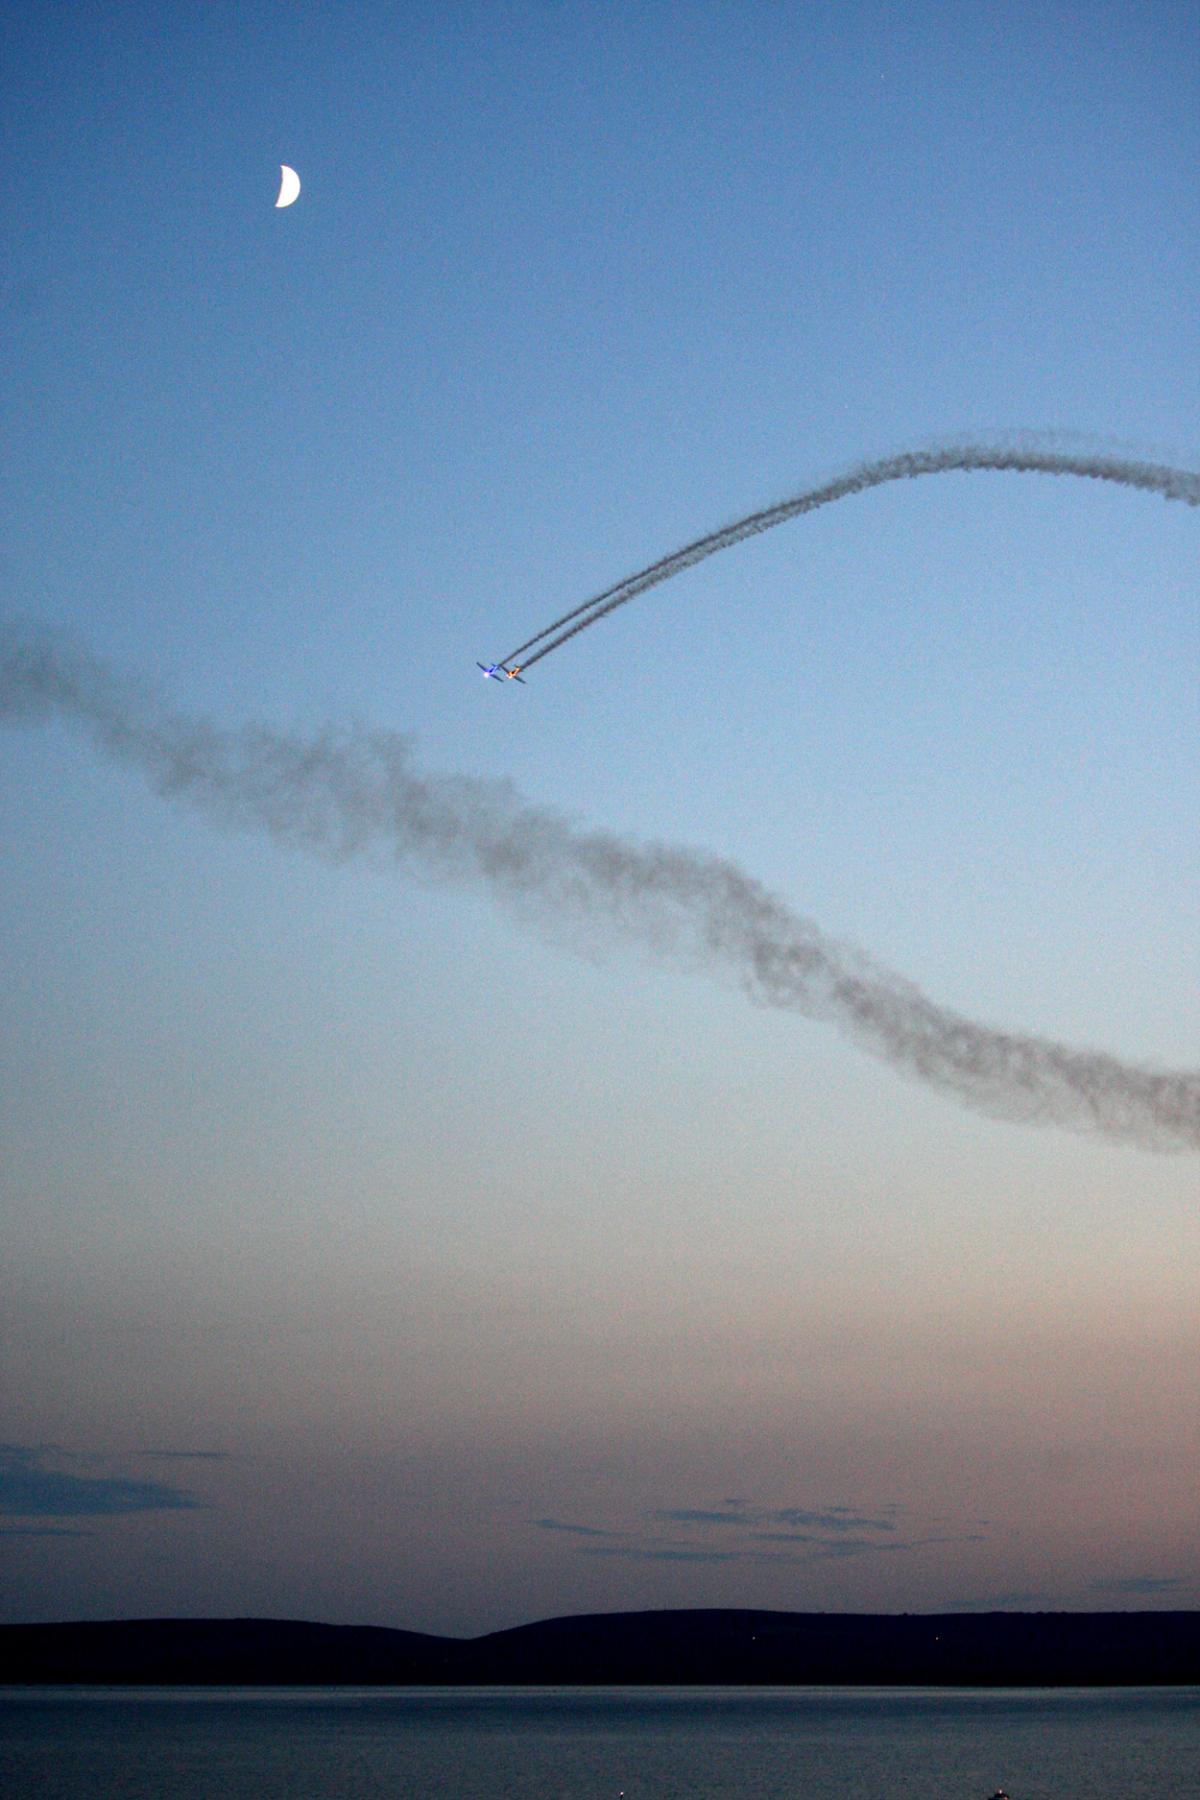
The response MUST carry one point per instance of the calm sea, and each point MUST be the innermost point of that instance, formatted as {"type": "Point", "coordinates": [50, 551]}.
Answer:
{"type": "Point", "coordinates": [599, 1743]}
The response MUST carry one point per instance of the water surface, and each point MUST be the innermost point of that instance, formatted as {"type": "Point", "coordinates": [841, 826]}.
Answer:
{"type": "Point", "coordinates": [599, 1743]}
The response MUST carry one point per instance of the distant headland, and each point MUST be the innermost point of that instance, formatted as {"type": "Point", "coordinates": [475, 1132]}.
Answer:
{"type": "Point", "coordinates": [695, 1647]}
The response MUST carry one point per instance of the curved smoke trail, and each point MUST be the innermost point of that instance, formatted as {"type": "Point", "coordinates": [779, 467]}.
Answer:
{"type": "Point", "coordinates": [357, 793]}
{"type": "Point", "coordinates": [1155, 478]}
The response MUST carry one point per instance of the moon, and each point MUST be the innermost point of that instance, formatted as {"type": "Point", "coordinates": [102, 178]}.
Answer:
{"type": "Point", "coordinates": [289, 185]}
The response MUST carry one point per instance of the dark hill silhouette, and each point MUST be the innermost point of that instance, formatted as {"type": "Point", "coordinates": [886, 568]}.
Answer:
{"type": "Point", "coordinates": [692, 1647]}
{"type": "Point", "coordinates": [198, 1652]}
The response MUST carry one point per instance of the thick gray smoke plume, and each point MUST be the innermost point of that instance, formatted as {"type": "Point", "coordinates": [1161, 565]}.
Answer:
{"type": "Point", "coordinates": [940, 459]}
{"type": "Point", "coordinates": [357, 792]}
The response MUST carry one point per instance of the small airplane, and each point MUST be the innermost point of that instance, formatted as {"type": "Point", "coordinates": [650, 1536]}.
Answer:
{"type": "Point", "coordinates": [498, 672]}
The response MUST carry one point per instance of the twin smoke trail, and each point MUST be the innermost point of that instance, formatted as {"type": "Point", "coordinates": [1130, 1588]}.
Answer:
{"type": "Point", "coordinates": [942, 459]}
{"type": "Point", "coordinates": [358, 793]}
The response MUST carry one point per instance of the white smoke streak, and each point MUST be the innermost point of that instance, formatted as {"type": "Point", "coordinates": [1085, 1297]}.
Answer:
{"type": "Point", "coordinates": [357, 792]}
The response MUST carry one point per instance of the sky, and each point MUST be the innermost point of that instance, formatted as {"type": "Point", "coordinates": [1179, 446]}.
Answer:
{"type": "Point", "coordinates": [381, 1246]}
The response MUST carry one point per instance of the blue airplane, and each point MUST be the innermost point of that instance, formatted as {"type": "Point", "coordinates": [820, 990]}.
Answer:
{"type": "Point", "coordinates": [498, 672]}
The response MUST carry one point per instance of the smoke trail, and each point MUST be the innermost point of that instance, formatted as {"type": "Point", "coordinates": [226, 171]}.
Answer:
{"type": "Point", "coordinates": [1156, 478]}
{"type": "Point", "coordinates": [357, 792]}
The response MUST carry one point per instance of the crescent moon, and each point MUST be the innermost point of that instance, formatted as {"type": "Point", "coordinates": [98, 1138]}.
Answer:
{"type": "Point", "coordinates": [289, 185]}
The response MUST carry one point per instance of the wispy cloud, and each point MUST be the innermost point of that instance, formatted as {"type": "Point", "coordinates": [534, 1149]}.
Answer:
{"type": "Point", "coordinates": [1015, 1599]}
{"type": "Point", "coordinates": [588, 1531]}
{"type": "Point", "coordinates": [1138, 1584]}
{"type": "Point", "coordinates": [668, 1553]}
{"type": "Point", "coordinates": [695, 1515]}
{"type": "Point", "coordinates": [31, 1488]}
{"type": "Point", "coordinates": [736, 1531]}
{"type": "Point", "coordinates": [834, 1518]}
{"type": "Point", "coordinates": [857, 1546]}
{"type": "Point", "coordinates": [785, 1537]}
{"type": "Point", "coordinates": [51, 1531]}
{"type": "Point", "coordinates": [185, 1455]}
{"type": "Point", "coordinates": [828, 1519]}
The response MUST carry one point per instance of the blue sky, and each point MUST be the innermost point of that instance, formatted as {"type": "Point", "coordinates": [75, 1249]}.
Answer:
{"type": "Point", "coordinates": [423, 1228]}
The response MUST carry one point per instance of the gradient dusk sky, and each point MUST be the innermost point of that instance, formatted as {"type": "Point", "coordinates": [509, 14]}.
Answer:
{"type": "Point", "coordinates": [372, 1252]}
